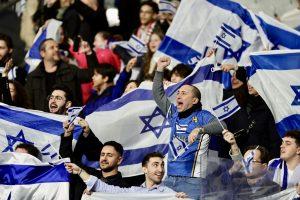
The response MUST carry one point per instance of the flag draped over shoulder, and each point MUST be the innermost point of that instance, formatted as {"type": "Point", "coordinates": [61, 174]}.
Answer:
{"type": "Point", "coordinates": [33, 57]}
{"type": "Point", "coordinates": [275, 76]}
{"type": "Point", "coordinates": [23, 176]}
{"type": "Point", "coordinates": [135, 121]}
{"type": "Point", "coordinates": [43, 130]}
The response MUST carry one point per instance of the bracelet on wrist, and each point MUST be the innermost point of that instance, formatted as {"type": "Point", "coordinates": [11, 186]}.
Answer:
{"type": "Point", "coordinates": [80, 172]}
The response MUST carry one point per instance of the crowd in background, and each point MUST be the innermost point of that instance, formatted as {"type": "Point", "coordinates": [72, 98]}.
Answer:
{"type": "Point", "coordinates": [85, 66]}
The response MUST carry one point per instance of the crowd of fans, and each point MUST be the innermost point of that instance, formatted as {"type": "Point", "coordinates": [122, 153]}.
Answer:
{"type": "Point", "coordinates": [86, 75]}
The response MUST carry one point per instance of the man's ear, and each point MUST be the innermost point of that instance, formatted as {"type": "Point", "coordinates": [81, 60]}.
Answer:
{"type": "Point", "coordinates": [106, 79]}
{"type": "Point", "coordinates": [68, 104]}
{"type": "Point", "coordinates": [195, 100]}
{"type": "Point", "coordinates": [145, 170]}
{"type": "Point", "coordinates": [120, 160]}
{"type": "Point", "coordinates": [42, 53]}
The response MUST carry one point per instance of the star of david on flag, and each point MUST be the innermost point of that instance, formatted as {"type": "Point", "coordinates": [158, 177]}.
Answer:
{"type": "Point", "coordinates": [296, 89]}
{"type": "Point", "coordinates": [12, 140]}
{"type": "Point", "coordinates": [227, 108]}
{"type": "Point", "coordinates": [157, 130]}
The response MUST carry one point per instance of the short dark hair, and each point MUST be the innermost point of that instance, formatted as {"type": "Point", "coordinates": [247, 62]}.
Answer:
{"type": "Point", "coordinates": [264, 153]}
{"type": "Point", "coordinates": [152, 4]}
{"type": "Point", "coordinates": [42, 45]}
{"type": "Point", "coordinates": [106, 69]}
{"type": "Point", "coordinates": [66, 89]}
{"type": "Point", "coordinates": [182, 70]}
{"type": "Point", "coordinates": [117, 146]}
{"type": "Point", "coordinates": [32, 150]}
{"type": "Point", "coordinates": [294, 134]}
{"type": "Point", "coordinates": [7, 40]}
{"type": "Point", "coordinates": [151, 155]}
{"type": "Point", "coordinates": [196, 93]}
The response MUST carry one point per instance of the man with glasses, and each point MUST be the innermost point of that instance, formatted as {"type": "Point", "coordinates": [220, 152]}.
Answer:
{"type": "Point", "coordinates": [248, 177]}
{"type": "Point", "coordinates": [60, 100]}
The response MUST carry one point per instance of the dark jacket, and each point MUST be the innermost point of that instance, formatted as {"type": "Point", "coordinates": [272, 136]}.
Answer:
{"type": "Point", "coordinates": [263, 130]}
{"type": "Point", "coordinates": [66, 74]}
{"type": "Point", "coordinates": [90, 147]}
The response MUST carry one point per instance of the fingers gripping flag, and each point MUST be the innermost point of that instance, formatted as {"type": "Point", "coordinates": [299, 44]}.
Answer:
{"type": "Point", "coordinates": [43, 130]}
{"type": "Point", "coordinates": [226, 108]}
{"type": "Point", "coordinates": [73, 112]}
{"type": "Point", "coordinates": [275, 76]}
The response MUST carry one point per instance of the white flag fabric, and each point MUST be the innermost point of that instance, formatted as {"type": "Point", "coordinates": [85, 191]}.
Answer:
{"type": "Point", "coordinates": [288, 194]}
{"type": "Point", "coordinates": [227, 108]}
{"type": "Point", "coordinates": [135, 121]}
{"type": "Point", "coordinates": [43, 130]}
{"type": "Point", "coordinates": [33, 57]}
{"type": "Point", "coordinates": [129, 196]}
{"type": "Point", "coordinates": [276, 35]}
{"type": "Point", "coordinates": [275, 76]}
{"type": "Point", "coordinates": [24, 177]}
{"type": "Point", "coordinates": [166, 7]}
{"type": "Point", "coordinates": [200, 25]}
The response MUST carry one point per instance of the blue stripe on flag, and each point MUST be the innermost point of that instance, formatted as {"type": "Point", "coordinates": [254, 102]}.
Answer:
{"type": "Point", "coordinates": [229, 113]}
{"type": "Point", "coordinates": [237, 9]}
{"type": "Point", "coordinates": [134, 50]}
{"type": "Point", "coordinates": [279, 36]}
{"type": "Point", "coordinates": [135, 156]}
{"type": "Point", "coordinates": [227, 101]}
{"type": "Point", "coordinates": [137, 40]}
{"type": "Point", "coordinates": [290, 61]}
{"type": "Point", "coordinates": [43, 124]}
{"type": "Point", "coordinates": [178, 50]}
{"type": "Point", "coordinates": [289, 123]}
{"type": "Point", "coordinates": [29, 174]}
{"type": "Point", "coordinates": [34, 51]}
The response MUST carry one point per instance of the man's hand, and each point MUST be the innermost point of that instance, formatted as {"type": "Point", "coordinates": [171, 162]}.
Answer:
{"type": "Point", "coordinates": [87, 192]}
{"type": "Point", "coordinates": [228, 67]}
{"type": "Point", "coordinates": [181, 195]}
{"type": "Point", "coordinates": [85, 48]}
{"type": "Point", "coordinates": [85, 126]}
{"type": "Point", "coordinates": [72, 168]}
{"type": "Point", "coordinates": [162, 63]}
{"type": "Point", "coordinates": [8, 66]}
{"type": "Point", "coordinates": [229, 137]}
{"type": "Point", "coordinates": [193, 135]}
{"type": "Point", "coordinates": [69, 128]}
{"type": "Point", "coordinates": [130, 64]}
{"type": "Point", "coordinates": [236, 167]}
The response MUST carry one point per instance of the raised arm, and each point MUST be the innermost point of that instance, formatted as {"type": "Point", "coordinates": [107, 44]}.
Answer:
{"type": "Point", "coordinates": [159, 94]}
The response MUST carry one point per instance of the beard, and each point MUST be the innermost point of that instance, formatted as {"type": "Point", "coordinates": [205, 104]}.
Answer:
{"type": "Point", "coordinates": [109, 169]}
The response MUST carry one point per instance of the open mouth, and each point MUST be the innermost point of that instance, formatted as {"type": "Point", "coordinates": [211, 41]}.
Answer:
{"type": "Point", "coordinates": [53, 107]}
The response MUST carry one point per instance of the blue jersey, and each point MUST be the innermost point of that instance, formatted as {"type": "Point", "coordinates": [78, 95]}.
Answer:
{"type": "Point", "coordinates": [183, 159]}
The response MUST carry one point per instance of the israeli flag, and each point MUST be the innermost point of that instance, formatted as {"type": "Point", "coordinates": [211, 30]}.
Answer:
{"type": "Point", "coordinates": [33, 57]}
{"type": "Point", "coordinates": [73, 112]}
{"type": "Point", "coordinates": [275, 76]}
{"type": "Point", "coordinates": [276, 35]}
{"type": "Point", "coordinates": [201, 25]}
{"type": "Point", "coordinates": [135, 47]}
{"type": "Point", "coordinates": [135, 121]}
{"type": "Point", "coordinates": [166, 7]}
{"type": "Point", "coordinates": [226, 108]}
{"type": "Point", "coordinates": [23, 176]}
{"type": "Point", "coordinates": [43, 130]}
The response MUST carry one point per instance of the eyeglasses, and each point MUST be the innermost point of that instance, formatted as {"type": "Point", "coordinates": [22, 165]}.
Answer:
{"type": "Point", "coordinates": [57, 98]}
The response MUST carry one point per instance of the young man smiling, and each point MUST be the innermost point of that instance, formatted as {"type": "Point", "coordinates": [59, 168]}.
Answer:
{"type": "Point", "coordinates": [153, 168]}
